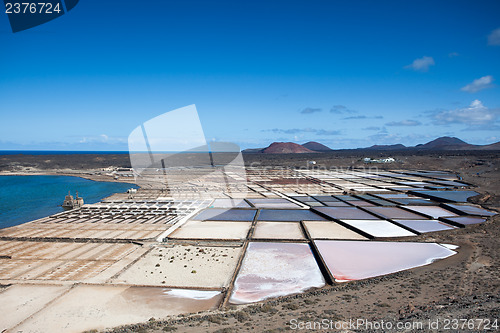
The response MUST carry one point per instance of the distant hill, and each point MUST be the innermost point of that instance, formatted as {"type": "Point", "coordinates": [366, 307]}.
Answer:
{"type": "Point", "coordinates": [446, 143]}
{"type": "Point", "coordinates": [493, 146]}
{"type": "Point", "coordinates": [285, 148]}
{"type": "Point", "coordinates": [442, 143]}
{"type": "Point", "coordinates": [316, 146]}
{"type": "Point", "coordinates": [386, 147]}
{"type": "Point", "coordinates": [252, 150]}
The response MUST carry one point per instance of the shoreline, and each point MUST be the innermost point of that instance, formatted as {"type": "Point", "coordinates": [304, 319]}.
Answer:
{"type": "Point", "coordinates": [65, 174]}
{"type": "Point", "coordinates": [83, 174]}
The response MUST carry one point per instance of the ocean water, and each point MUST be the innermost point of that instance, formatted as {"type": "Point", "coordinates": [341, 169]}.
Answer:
{"type": "Point", "coordinates": [26, 198]}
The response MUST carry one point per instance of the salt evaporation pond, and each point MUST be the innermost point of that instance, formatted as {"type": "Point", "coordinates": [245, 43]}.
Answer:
{"type": "Point", "coordinates": [431, 211]}
{"type": "Point", "coordinates": [425, 225]}
{"type": "Point", "coordinates": [393, 213]}
{"type": "Point", "coordinates": [379, 228]}
{"type": "Point", "coordinates": [229, 203]}
{"type": "Point", "coordinates": [357, 260]}
{"type": "Point", "coordinates": [346, 213]}
{"type": "Point", "coordinates": [278, 230]}
{"type": "Point", "coordinates": [465, 220]}
{"type": "Point", "coordinates": [212, 230]}
{"type": "Point", "coordinates": [330, 230]}
{"type": "Point", "coordinates": [275, 269]}
{"type": "Point", "coordinates": [288, 215]}
{"type": "Point", "coordinates": [448, 196]}
{"type": "Point", "coordinates": [471, 210]}
{"type": "Point", "coordinates": [273, 203]}
{"type": "Point", "coordinates": [220, 214]}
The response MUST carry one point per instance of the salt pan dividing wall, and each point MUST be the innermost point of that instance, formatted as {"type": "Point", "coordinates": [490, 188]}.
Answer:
{"type": "Point", "coordinates": [275, 269]}
{"type": "Point", "coordinates": [357, 260]}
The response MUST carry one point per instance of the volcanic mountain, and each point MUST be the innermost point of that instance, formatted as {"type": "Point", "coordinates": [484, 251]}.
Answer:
{"type": "Point", "coordinates": [446, 143]}
{"type": "Point", "coordinates": [316, 146]}
{"type": "Point", "coordinates": [493, 146]}
{"type": "Point", "coordinates": [285, 148]}
{"type": "Point", "coordinates": [387, 147]}
{"type": "Point", "coordinates": [442, 143]}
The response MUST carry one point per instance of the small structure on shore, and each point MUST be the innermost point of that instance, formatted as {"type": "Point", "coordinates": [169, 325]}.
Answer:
{"type": "Point", "coordinates": [72, 203]}
{"type": "Point", "coordinates": [380, 160]}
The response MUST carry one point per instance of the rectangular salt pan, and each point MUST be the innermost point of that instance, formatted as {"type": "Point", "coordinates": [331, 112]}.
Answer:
{"type": "Point", "coordinates": [92, 308]}
{"type": "Point", "coordinates": [336, 204]}
{"type": "Point", "coordinates": [393, 195]}
{"type": "Point", "coordinates": [448, 196]}
{"type": "Point", "coordinates": [330, 230]}
{"type": "Point", "coordinates": [413, 201]}
{"type": "Point", "coordinates": [173, 266]}
{"type": "Point", "coordinates": [425, 225]}
{"type": "Point", "coordinates": [471, 210]}
{"type": "Point", "coordinates": [324, 198]}
{"type": "Point", "coordinates": [273, 203]}
{"type": "Point", "coordinates": [275, 269]}
{"type": "Point", "coordinates": [433, 211]}
{"type": "Point", "coordinates": [380, 202]}
{"type": "Point", "coordinates": [229, 203]}
{"type": "Point", "coordinates": [221, 214]}
{"type": "Point", "coordinates": [379, 228]}
{"type": "Point", "coordinates": [278, 230]}
{"type": "Point", "coordinates": [212, 230]}
{"type": "Point", "coordinates": [303, 198]}
{"type": "Point", "coordinates": [288, 215]}
{"type": "Point", "coordinates": [465, 220]}
{"type": "Point", "coordinates": [357, 260]}
{"type": "Point", "coordinates": [346, 213]}
{"type": "Point", "coordinates": [393, 213]}
{"type": "Point", "coordinates": [360, 203]}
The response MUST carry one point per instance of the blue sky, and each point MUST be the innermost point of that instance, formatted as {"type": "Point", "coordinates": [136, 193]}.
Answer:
{"type": "Point", "coordinates": [347, 74]}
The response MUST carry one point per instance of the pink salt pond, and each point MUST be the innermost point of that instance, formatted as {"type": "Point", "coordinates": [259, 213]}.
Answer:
{"type": "Point", "coordinates": [379, 228]}
{"type": "Point", "coordinates": [357, 260]}
{"type": "Point", "coordinates": [431, 211]}
{"type": "Point", "coordinates": [275, 269]}
{"type": "Point", "coordinates": [422, 226]}
{"type": "Point", "coordinates": [465, 220]}
{"type": "Point", "coordinates": [470, 210]}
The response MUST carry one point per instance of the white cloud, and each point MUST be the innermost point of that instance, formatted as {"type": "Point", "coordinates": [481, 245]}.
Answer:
{"type": "Point", "coordinates": [404, 123]}
{"type": "Point", "coordinates": [341, 109]}
{"type": "Point", "coordinates": [103, 138]}
{"type": "Point", "coordinates": [421, 64]}
{"type": "Point", "coordinates": [303, 130]}
{"type": "Point", "coordinates": [372, 128]}
{"type": "Point", "coordinates": [479, 84]}
{"type": "Point", "coordinates": [476, 114]}
{"type": "Point", "coordinates": [408, 139]}
{"type": "Point", "coordinates": [310, 110]}
{"type": "Point", "coordinates": [494, 37]}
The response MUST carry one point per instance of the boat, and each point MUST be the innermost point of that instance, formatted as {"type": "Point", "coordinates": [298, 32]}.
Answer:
{"type": "Point", "coordinates": [72, 203]}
